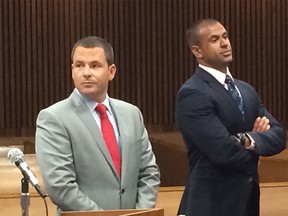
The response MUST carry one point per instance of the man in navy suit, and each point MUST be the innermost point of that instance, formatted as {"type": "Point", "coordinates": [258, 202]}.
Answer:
{"type": "Point", "coordinates": [223, 138]}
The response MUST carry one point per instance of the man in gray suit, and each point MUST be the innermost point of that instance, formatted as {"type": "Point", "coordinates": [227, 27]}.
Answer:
{"type": "Point", "coordinates": [75, 163]}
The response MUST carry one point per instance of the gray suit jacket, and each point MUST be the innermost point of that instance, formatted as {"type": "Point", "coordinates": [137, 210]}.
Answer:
{"type": "Point", "coordinates": [77, 169]}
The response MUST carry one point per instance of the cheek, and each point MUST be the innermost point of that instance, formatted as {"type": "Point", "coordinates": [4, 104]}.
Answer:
{"type": "Point", "coordinates": [102, 75]}
{"type": "Point", "coordinates": [76, 77]}
{"type": "Point", "coordinates": [74, 74]}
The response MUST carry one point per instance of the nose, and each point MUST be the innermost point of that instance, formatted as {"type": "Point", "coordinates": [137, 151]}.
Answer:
{"type": "Point", "coordinates": [86, 71]}
{"type": "Point", "coordinates": [224, 42]}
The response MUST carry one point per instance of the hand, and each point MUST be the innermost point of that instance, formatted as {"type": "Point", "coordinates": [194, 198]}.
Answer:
{"type": "Point", "coordinates": [261, 124]}
{"type": "Point", "coordinates": [247, 142]}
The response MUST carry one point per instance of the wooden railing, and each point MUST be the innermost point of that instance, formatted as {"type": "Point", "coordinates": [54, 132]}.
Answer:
{"type": "Point", "coordinates": [273, 195]}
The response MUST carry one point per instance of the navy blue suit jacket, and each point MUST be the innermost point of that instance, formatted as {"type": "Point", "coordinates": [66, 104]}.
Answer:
{"type": "Point", "coordinates": [222, 173]}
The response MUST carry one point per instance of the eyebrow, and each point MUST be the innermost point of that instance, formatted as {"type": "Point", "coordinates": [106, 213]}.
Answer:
{"type": "Point", "coordinates": [216, 35]}
{"type": "Point", "coordinates": [92, 62]}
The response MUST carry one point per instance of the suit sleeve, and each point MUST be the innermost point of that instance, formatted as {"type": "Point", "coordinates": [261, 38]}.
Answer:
{"type": "Point", "coordinates": [55, 158]}
{"type": "Point", "coordinates": [149, 175]}
{"type": "Point", "coordinates": [272, 141]}
{"type": "Point", "coordinates": [203, 131]}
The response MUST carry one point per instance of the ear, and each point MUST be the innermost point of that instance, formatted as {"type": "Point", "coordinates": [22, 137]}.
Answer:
{"type": "Point", "coordinates": [72, 71]}
{"type": "Point", "coordinates": [196, 50]}
{"type": "Point", "coordinates": [112, 71]}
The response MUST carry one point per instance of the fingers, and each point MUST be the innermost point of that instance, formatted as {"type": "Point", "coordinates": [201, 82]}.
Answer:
{"type": "Point", "coordinates": [261, 124]}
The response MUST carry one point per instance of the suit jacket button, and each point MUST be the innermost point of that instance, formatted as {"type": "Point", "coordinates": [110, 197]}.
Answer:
{"type": "Point", "coordinates": [250, 179]}
{"type": "Point", "coordinates": [122, 190]}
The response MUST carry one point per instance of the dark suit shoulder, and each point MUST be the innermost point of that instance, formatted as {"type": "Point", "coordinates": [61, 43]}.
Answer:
{"type": "Point", "coordinates": [202, 83]}
{"type": "Point", "coordinates": [244, 84]}
{"type": "Point", "coordinates": [246, 87]}
{"type": "Point", "coordinates": [200, 79]}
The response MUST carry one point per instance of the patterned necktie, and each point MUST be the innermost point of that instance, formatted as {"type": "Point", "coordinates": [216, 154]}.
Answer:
{"type": "Point", "coordinates": [109, 137]}
{"type": "Point", "coordinates": [234, 93]}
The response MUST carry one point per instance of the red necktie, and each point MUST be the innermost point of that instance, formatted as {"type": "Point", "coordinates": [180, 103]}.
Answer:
{"type": "Point", "coordinates": [109, 137]}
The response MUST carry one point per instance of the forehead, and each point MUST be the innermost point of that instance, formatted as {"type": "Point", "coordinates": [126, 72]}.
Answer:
{"type": "Point", "coordinates": [208, 30]}
{"type": "Point", "coordinates": [89, 54]}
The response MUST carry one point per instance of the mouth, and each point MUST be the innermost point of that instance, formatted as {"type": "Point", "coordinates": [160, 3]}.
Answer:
{"type": "Point", "coordinates": [87, 83]}
{"type": "Point", "coordinates": [227, 53]}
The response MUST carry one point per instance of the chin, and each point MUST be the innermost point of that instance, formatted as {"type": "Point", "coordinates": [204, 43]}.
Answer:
{"type": "Point", "coordinates": [229, 59]}
{"type": "Point", "coordinates": [86, 91]}
{"type": "Point", "coordinates": [227, 62]}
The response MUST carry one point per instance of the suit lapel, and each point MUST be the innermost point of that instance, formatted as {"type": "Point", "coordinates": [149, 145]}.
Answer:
{"type": "Point", "coordinates": [86, 117]}
{"type": "Point", "coordinates": [123, 127]}
{"type": "Point", "coordinates": [220, 89]}
{"type": "Point", "coordinates": [243, 91]}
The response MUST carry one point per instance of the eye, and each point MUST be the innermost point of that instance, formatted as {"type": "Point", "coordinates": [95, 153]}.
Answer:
{"type": "Point", "coordinates": [94, 66]}
{"type": "Point", "coordinates": [225, 35]}
{"type": "Point", "coordinates": [214, 39]}
{"type": "Point", "coordinates": [79, 65]}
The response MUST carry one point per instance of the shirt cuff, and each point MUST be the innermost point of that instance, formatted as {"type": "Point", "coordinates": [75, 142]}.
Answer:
{"type": "Point", "coordinates": [252, 145]}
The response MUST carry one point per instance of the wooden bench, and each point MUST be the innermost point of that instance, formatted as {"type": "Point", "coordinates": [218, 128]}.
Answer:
{"type": "Point", "coordinates": [170, 152]}
{"type": "Point", "coordinates": [26, 143]}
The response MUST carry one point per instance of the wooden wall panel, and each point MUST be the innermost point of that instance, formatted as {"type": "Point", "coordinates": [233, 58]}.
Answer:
{"type": "Point", "coordinates": [151, 54]}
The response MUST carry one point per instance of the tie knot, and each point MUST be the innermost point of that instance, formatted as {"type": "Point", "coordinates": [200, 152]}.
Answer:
{"type": "Point", "coordinates": [228, 79]}
{"type": "Point", "coordinates": [101, 109]}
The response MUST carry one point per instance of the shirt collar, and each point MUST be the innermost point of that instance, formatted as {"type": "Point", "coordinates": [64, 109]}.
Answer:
{"type": "Point", "coordinates": [218, 75]}
{"type": "Point", "coordinates": [93, 104]}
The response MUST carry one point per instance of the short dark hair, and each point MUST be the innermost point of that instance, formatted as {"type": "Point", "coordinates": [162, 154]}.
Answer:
{"type": "Point", "coordinates": [192, 34]}
{"type": "Point", "coordinates": [94, 41]}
